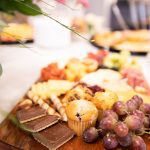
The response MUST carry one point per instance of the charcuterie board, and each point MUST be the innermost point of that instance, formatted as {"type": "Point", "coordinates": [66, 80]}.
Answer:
{"type": "Point", "coordinates": [11, 131]}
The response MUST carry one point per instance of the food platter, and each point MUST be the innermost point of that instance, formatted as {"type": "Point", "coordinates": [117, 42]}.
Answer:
{"type": "Point", "coordinates": [12, 133]}
{"type": "Point", "coordinates": [118, 41]}
{"type": "Point", "coordinates": [13, 33]}
{"type": "Point", "coordinates": [111, 49]}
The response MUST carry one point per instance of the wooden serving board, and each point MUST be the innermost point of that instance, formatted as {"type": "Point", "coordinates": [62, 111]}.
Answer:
{"type": "Point", "coordinates": [13, 135]}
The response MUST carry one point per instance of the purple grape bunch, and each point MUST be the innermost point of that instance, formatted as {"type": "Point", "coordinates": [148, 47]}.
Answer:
{"type": "Point", "coordinates": [122, 125]}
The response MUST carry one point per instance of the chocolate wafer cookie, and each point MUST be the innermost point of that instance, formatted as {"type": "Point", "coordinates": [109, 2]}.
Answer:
{"type": "Point", "coordinates": [54, 136]}
{"type": "Point", "coordinates": [30, 114]}
{"type": "Point", "coordinates": [40, 123]}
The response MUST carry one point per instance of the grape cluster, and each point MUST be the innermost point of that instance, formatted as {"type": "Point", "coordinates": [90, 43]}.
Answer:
{"type": "Point", "coordinates": [122, 125]}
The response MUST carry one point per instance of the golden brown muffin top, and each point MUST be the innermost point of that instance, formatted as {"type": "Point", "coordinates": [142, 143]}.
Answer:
{"type": "Point", "coordinates": [81, 110]}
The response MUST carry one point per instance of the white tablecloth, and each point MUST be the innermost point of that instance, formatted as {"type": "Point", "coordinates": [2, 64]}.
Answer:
{"type": "Point", "coordinates": [21, 68]}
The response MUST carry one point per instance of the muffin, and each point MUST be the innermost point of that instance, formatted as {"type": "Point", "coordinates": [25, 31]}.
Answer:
{"type": "Point", "coordinates": [104, 101]}
{"type": "Point", "coordinates": [81, 114]}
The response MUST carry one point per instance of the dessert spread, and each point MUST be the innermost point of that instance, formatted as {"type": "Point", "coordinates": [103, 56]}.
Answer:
{"type": "Point", "coordinates": [96, 97]}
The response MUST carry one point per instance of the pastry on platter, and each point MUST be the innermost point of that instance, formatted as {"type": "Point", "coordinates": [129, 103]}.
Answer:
{"type": "Point", "coordinates": [101, 76]}
{"type": "Point", "coordinates": [80, 91]}
{"type": "Point", "coordinates": [81, 115]}
{"type": "Point", "coordinates": [104, 100]}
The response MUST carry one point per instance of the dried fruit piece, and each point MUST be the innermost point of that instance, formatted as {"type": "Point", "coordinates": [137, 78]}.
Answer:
{"type": "Point", "coordinates": [52, 71]}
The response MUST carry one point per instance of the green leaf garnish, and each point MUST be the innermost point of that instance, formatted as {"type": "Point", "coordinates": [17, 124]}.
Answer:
{"type": "Point", "coordinates": [9, 6]}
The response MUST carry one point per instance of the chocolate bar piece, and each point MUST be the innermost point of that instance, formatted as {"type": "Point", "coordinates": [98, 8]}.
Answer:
{"type": "Point", "coordinates": [54, 136]}
{"type": "Point", "coordinates": [5, 146]}
{"type": "Point", "coordinates": [30, 114]}
{"type": "Point", "coordinates": [40, 123]}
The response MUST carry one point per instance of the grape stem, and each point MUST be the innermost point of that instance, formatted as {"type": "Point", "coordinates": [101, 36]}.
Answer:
{"type": "Point", "coordinates": [147, 132]}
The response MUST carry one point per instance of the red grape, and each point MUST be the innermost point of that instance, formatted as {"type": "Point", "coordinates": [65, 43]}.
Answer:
{"type": "Point", "coordinates": [108, 113]}
{"type": "Point", "coordinates": [145, 108]}
{"type": "Point", "coordinates": [131, 106]}
{"type": "Point", "coordinates": [110, 141]}
{"type": "Point", "coordinates": [120, 108]}
{"type": "Point", "coordinates": [107, 123]}
{"type": "Point", "coordinates": [138, 100]}
{"type": "Point", "coordinates": [133, 122]}
{"type": "Point", "coordinates": [90, 135]}
{"type": "Point", "coordinates": [125, 141]}
{"type": "Point", "coordinates": [121, 129]}
{"type": "Point", "coordinates": [138, 143]}
{"type": "Point", "coordinates": [139, 114]}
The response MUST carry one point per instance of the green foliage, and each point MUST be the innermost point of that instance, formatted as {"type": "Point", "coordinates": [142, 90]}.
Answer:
{"type": "Point", "coordinates": [26, 7]}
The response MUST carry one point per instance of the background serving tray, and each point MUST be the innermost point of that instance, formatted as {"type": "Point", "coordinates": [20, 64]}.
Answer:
{"type": "Point", "coordinates": [15, 42]}
{"type": "Point", "coordinates": [111, 49]}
